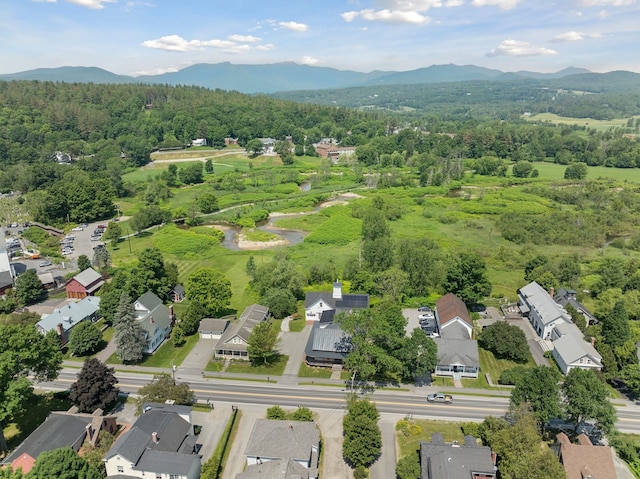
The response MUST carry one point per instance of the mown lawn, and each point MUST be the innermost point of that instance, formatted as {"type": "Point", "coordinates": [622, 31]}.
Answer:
{"type": "Point", "coordinates": [165, 356]}
{"type": "Point", "coordinates": [297, 325]}
{"type": "Point", "coordinates": [313, 372]}
{"type": "Point", "coordinates": [451, 431]}
{"type": "Point", "coordinates": [495, 367]}
{"type": "Point", "coordinates": [246, 367]}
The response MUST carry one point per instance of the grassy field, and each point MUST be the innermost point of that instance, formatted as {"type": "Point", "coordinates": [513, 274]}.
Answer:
{"type": "Point", "coordinates": [495, 367]}
{"type": "Point", "coordinates": [451, 431]}
{"type": "Point", "coordinates": [602, 125]}
{"type": "Point", "coordinates": [165, 356]}
{"type": "Point", "coordinates": [245, 367]}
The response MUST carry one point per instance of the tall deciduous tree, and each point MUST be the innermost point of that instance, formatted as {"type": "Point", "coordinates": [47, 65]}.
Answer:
{"type": "Point", "coordinates": [28, 287]}
{"type": "Point", "coordinates": [211, 288]}
{"type": "Point", "coordinates": [418, 354]}
{"type": "Point", "coordinates": [538, 388]}
{"type": "Point", "coordinates": [85, 339]}
{"type": "Point", "coordinates": [63, 463]}
{"type": "Point", "coordinates": [615, 327]}
{"type": "Point", "coordinates": [466, 278]}
{"type": "Point", "coordinates": [129, 336]}
{"type": "Point", "coordinates": [83, 262]}
{"type": "Point", "coordinates": [190, 321]}
{"type": "Point", "coordinates": [114, 231]}
{"type": "Point", "coordinates": [281, 302]}
{"type": "Point", "coordinates": [362, 437]}
{"type": "Point", "coordinates": [506, 341]}
{"type": "Point", "coordinates": [586, 397]}
{"type": "Point", "coordinates": [95, 387]}
{"type": "Point", "coordinates": [163, 388]}
{"type": "Point", "coordinates": [24, 351]}
{"type": "Point", "coordinates": [263, 343]}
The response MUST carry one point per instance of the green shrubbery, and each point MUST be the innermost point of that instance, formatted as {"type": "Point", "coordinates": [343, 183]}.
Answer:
{"type": "Point", "coordinates": [180, 242]}
{"type": "Point", "coordinates": [338, 230]}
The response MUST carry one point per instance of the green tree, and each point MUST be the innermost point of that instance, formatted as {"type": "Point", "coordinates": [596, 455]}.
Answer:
{"type": "Point", "coordinates": [631, 376]}
{"type": "Point", "coordinates": [211, 288]}
{"type": "Point", "coordinates": [178, 336]}
{"type": "Point", "coordinates": [129, 337]}
{"type": "Point", "coordinates": [276, 413]}
{"type": "Point", "coordinates": [615, 327]}
{"type": "Point", "coordinates": [8, 473]}
{"type": "Point", "coordinates": [163, 388]}
{"type": "Point", "coordinates": [418, 354]}
{"type": "Point", "coordinates": [101, 258]}
{"type": "Point", "coordinates": [522, 169]}
{"type": "Point", "coordinates": [113, 232]}
{"type": "Point", "coordinates": [85, 339]}
{"type": "Point", "coordinates": [362, 437]}
{"type": "Point", "coordinates": [208, 166]}
{"type": "Point", "coordinates": [250, 267]}
{"type": "Point", "coordinates": [466, 278]}
{"type": "Point", "coordinates": [281, 302]}
{"type": "Point", "coordinates": [586, 397]}
{"type": "Point", "coordinates": [191, 174]}
{"type": "Point", "coordinates": [576, 171]}
{"type": "Point", "coordinates": [207, 202]}
{"type": "Point", "coordinates": [577, 317]}
{"type": "Point", "coordinates": [83, 262]}
{"type": "Point", "coordinates": [302, 414]}
{"type": "Point", "coordinates": [281, 273]}
{"type": "Point", "coordinates": [95, 387]}
{"type": "Point", "coordinates": [23, 352]}
{"type": "Point", "coordinates": [255, 146]}
{"type": "Point", "coordinates": [538, 388]}
{"type": "Point", "coordinates": [263, 343]}
{"type": "Point", "coordinates": [28, 287]}
{"type": "Point", "coordinates": [63, 463]}
{"type": "Point", "coordinates": [409, 466]}
{"type": "Point", "coordinates": [506, 341]}
{"type": "Point", "coordinates": [190, 321]}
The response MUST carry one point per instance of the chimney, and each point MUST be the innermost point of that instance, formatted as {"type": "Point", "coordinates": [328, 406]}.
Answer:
{"type": "Point", "coordinates": [151, 319]}
{"type": "Point", "coordinates": [89, 432]}
{"type": "Point", "coordinates": [552, 292]}
{"type": "Point", "coordinates": [337, 290]}
{"type": "Point", "coordinates": [59, 329]}
{"type": "Point", "coordinates": [593, 341]}
{"type": "Point", "coordinates": [154, 437]}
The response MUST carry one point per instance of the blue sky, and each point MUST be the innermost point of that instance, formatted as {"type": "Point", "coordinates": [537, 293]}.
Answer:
{"type": "Point", "coordinates": [156, 36]}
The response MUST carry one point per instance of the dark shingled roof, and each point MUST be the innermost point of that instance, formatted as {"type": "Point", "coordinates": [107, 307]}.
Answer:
{"type": "Point", "coordinates": [149, 300]}
{"type": "Point", "coordinates": [458, 352]}
{"type": "Point", "coordinates": [279, 469]}
{"type": "Point", "coordinates": [447, 461]}
{"type": "Point", "coordinates": [283, 439]}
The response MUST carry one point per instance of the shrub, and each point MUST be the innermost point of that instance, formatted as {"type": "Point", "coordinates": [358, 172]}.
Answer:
{"type": "Point", "coordinates": [360, 472]}
{"type": "Point", "coordinates": [505, 340]}
{"type": "Point", "coordinates": [471, 429]}
{"type": "Point", "coordinates": [511, 376]}
{"type": "Point", "coordinates": [276, 412]}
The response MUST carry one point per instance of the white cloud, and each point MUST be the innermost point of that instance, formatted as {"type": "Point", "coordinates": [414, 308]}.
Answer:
{"type": "Point", "coordinates": [237, 49]}
{"type": "Point", "coordinates": [307, 60]}
{"type": "Point", "coordinates": [574, 37]}
{"type": "Point", "coordinates": [388, 16]}
{"type": "Point", "coordinates": [515, 48]}
{"type": "Point", "coordinates": [155, 71]}
{"type": "Point", "coordinates": [44, 1]}
{"type": "Point", "coordinates": [244, 38]}
{"type": "Point", "coordinates": [266, 47]}
{"type": "Point", "coordinates": [175, 43]}
{"type": "Point", "coordinates": [503, 4]}
{"type": "Point", "coordinates": [409, 5]}
{"type": "Point", "coordinates": [294, 26]}
{"type": "Point", "coordinates": [604, 3]}
{"type": "Point", "coordinates": [93, 4]}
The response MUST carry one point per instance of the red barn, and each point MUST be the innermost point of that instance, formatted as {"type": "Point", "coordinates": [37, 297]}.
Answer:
{"type": "Point", "coordinates": [84, 284]}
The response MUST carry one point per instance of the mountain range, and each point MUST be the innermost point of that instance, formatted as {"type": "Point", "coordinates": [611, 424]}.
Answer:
{"type": "Point", "coordinates": [288, 76]}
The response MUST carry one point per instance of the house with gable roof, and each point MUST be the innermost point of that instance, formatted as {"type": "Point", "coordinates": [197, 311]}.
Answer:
{"type": "Point", "coordinates": [323, 306]}
{"type": "Point", "coordinates": [160, 444]}
{"type": "Point", "coordinates": [458, 355]}
{"type": "Point", "coordinates": [287, 441]}
{"type": "Point", "coordinates": [543, 312]}
{"type": "Point", "coordinates": [60, 429]}
{"type": "Point", "coordinates": [155, 318]}
{"type": "Point", "coordinates": [328, 345]}
{"type": "Point", "coordinates": [439, 460]}
{"type": "Point", "coordinates": [64, 319]}
{"type": "Point", "coordinates": [233, 342]}
{"type": "Point", "coordinates": [84, 284]}
{"type": "Point", "coordinates": [571, 351]}
{"type": "Point", "coordinates": [569, 296]}
{"type": "Point", "coordinates": [584, 460]}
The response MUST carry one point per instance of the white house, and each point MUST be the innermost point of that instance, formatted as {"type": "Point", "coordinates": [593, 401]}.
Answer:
{"type": "Point", "coordinates": [323, 306]}
{"type": "Point", "coordinates": [543, 312]}
{"type": "Point", "coordinates": [155, 318]}
{"type": "Point", "coordinates": [571, 351]}
{"type": "Point", "coordinates": [199, 142]}
{"type": "Point", "coordinates": [64, 319]}
{"type": "Point", "coordinates": [235, 339]}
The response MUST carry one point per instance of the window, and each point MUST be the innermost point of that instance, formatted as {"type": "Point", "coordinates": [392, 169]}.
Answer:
{"type": "Point", "coordinates": [120, 469]}
{"type": "Point", "coordinates": [158, 475]}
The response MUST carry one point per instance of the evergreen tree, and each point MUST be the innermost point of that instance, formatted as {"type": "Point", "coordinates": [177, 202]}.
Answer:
{"type": "Point", "coordinates": [129, 337]}
{"type": "Point", "coordinates": [83, 262]}
{"type": "Point", "coordinates": [28, 287]}
{"type": "Point", "coordinates": [95, 386]}
{"type": "Point", "coordinates": [615, 327]}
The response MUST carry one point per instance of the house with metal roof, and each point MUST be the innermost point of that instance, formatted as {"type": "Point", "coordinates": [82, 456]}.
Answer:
{"type": "Point", "coordinates": [155, 319]}
{"type": "Point", "coordinates": [84, 284]}
{"type": "Point", "coordinates": [570, 350]}
{"type": "Point", "coordinates": [272, 440]}
{"type": "Point", "coordinates": [235, 339]}
{"type": "Point", "coordinates": [323, 306]}
{"type": "Point", "coordinates": [543, 312]}
{"type": "Point", "coordinates": [327, 345]}
{"type": "Point", "coordinates": [439, 460]}
{"type": "Point", "coordinates": [60, 429]}
{"type": "Point", "coordinates": [161, 443]}
{"type": "Point", "coordinates": [64, 319]}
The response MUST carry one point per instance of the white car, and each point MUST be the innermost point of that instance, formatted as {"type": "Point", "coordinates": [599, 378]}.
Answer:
{"type": "Point", "coordinates": [77, 228]}
{"type": "Point", "coordinates": [67, 252]}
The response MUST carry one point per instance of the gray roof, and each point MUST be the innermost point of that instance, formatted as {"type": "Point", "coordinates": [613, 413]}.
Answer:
{"type": "Point", "coordinates": [328, 342]}
{"type": "Point", "coordinates": [250, 317]}
{"type": "Point", "coordinates": [455, 330]}
{"type": "Point", "coordinates": [58, 430]}
{"type": "Point", "coordinates": [213, 325]}
{"type": "Point", "coordinates": [571, 346]}
{"type": "Point", "coordinates": [280, 469]}
{"type": "Point", "coordinates": [564, 297]}
{"type": "Point", "coordinates": [283, 440]}
{"type": "Point", "coordinates": [179, 290]}
{"type": "Point", "coordinates": [347, 303]}
{"type": "Point", "coordinates": [458, 351]}
{"type": "Point", "coordinates": [88, 277]}
{"type": "Point", "coordinates": [173, 453]}
{"type": "Point", "coordinates": [538, 299]}
{"type": "Point", "coordinates": [70, 314]}
{"type": "Point", "coordinates": [446, 461]}
{"type": "Point", "coordinates": [149, 300]}
{"type": "Point", "coordinates": [46, 278]}
{"type": "Point", "coordinates": [6, 278]}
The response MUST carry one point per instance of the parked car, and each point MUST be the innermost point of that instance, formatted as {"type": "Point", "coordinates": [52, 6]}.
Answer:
{"type": "Point", "coordinates": [96, 237]}
{"type": "Point", "coordinates": [44, 264]}
{"type": "Point", "coordinates": [440, 397]}
{"type": "Point", "coordinates": [424, 308]}
{"type": "Point", "coordinates": [77, 228]}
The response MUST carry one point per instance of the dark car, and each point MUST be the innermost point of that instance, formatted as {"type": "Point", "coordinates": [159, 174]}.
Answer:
{"type": "Point", "coordinates": [424, 309]}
